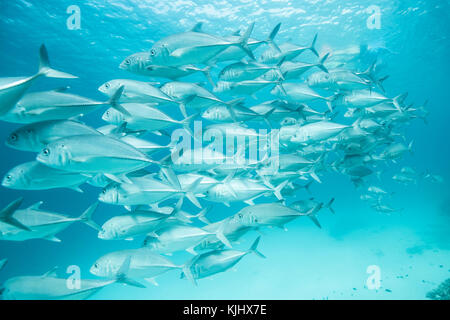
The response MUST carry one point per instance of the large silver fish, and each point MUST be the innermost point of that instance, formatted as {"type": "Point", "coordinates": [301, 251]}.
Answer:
{"type": "Point", "coordinates": [34, 223]}
{"type": "Point", "coordinates": [287, 51]}
{"type": "Point", "coordinates": [140, 222]}
{"type": "Point", "coordinates": [216, 261]}
{"type": "Point", "coordinates": [145, 190]}
{"type": "Point", "coordinates": [140, 64]}
{"type": "Point", "coordinates": [179, 237]}
{"type": "Point", "coordinates": [93, 154]}
{"type": "Point", "coordinates": [36, 176]}
{"type": "Point", "coordinates": [56, 105]}
{"type": "Point", "coordinates": [144, 117]}
{"type": "Point", "coordinates": [34, 137]}
{"type": "Point", "coordinates": [144, 264]}
{"type": "Point", "coordinates": [12, 89]}
{"type": "Point", "coordinates": [236, 53]}
{"type": "Point", "coordinates": [272, 214]}
{"type": "Point", "coordinates": [194, 48]}
{"type": "Point", "coordinates": [300, 93]}
{"type": "Point", "coordinates": [49, 287]}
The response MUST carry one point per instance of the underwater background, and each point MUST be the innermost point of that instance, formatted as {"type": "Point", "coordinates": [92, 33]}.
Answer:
{"type": "Point", "coordinates": [411, 247]}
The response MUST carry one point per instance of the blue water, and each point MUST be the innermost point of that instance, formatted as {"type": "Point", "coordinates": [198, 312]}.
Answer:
{"type": "Point", "coordinates": [411, 247]}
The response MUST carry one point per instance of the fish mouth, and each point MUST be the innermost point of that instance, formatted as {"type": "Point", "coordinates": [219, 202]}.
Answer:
{"type": "Point", "coordinates": [101, 89]}
{"type": "Point", "coordinates": [93, 271]}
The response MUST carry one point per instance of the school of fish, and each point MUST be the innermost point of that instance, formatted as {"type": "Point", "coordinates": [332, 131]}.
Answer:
{"type": "Point", "coordinates": [320, 113]}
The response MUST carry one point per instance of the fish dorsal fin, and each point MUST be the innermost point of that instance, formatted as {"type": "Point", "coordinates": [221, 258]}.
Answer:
{"type": "Point", "coordinates": [36, 205]}
{"type": "Point", "coordinates": [236, 33]}
{"type": "Point", "coordinates": [197, 27]}
{"type": "Point", "coordinates": [51, 273]}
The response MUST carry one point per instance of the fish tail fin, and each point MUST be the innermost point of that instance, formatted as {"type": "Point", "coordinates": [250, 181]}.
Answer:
{"type": "Point", "coordinates": [46, 70]}
{"type": "Point", "coordinates": [322, 61]}
{"type": "Point", "coordinates": [221, 236]}
{"type": "Point", "coordinates": [188, 274]}
{"type": "Point", "coordinates": [176, 210]}
{"type": "Point", "coordinates": [271, 37]}
{"type": "Point", "coordinates": [313, 46]}
{"type": "Point", "coordinates": [207, 72]}
{"type": "Point", "coordinates": [114, 101]}
{"type": "Point", "coordinates": [379, 82]}
{"type": "Point", "coordinates": [266, 117]}
{"type": "Point", "coordinates": [312, 173]}
{"type": "Point", "coordinates": [202, 215]}
{"type": "Point", "coordinates": [86, 216]}
{"type": "Point", "coordinates": [189, 193]}
{"type": "Point", "coordinates": [171, 176]}
{"type": "Point", "coordinates": [243, 41]}
{"type": "Point", "coordinates": [254, 246]}
{"type": "Point", "coordinates": [230, 107]}
{"type": "Point", "coordinates": [186, 122]}
{"type": "Point", "coordinates": [121, 275]}
{"type": "Point", "coordinates": [329, 101]}
{"type": "Point", "coordinates": [312, 214]}
{"type": "Point", "coordinates": [6, 215]}
{"type": "Point", "coordinates": [328, 205]}
{"type": "Point", "coordinates": [277, 190]}
{"type": "Point", "coordinates": [398, 100]}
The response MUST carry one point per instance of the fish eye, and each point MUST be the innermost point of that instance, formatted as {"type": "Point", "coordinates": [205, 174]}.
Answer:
{"type": "Point", "coordinates": [107, 85]}
{"type": "Point", "coordinates": [127, 61]}
{"type": "Point", "coordinates": [8, 177]}
{"type": "Point", "coordinates": [46, 152]}
{"type": "Point", "coordinates": [96, 265]}
{"type": "Point", "coordinates": [104, 191]}
{"type": "Point", "coordinates": [13, 137]}
{"type": "Point", "coordinates": [240, 215]}
{"type": "Point", "coordinates": [153, 52]}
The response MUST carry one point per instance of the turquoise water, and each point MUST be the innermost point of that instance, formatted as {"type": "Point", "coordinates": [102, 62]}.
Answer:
{"type": "Point", "coordinates": [411, 247]}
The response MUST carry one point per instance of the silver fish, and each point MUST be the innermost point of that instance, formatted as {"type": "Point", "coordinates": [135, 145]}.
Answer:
{"type": "Point", "coordinates": [216, 261]}
{"type": "Point", "coordinates": [12, 89]}
{"type": "Point", "coordinates": [36, 176]}
{"type": "Point", "coordinates": [144, 264]}
{"type": "Point", "coordinates": [39, 224]}
{"type": "Point", "coordinates": [34, 137]}
{"type": "Point", "coordinates": [56, 105]}
{"type": "Point", "coordinates": [93, 154]}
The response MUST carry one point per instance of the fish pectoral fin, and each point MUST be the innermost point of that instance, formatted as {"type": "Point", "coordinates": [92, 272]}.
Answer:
{"type": "Point", "coordinates": [119, 179]}
{"type": "Point", "coordinates": [152, 281]}
{"type": "Point", "coordinates": [77, 189]}
{"type": "Point", "coordinates": [52, 238]}
{"type": "Point", "coordinates": [7, 215]}
{"type": "Point", "coordinates": [191, 251]}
